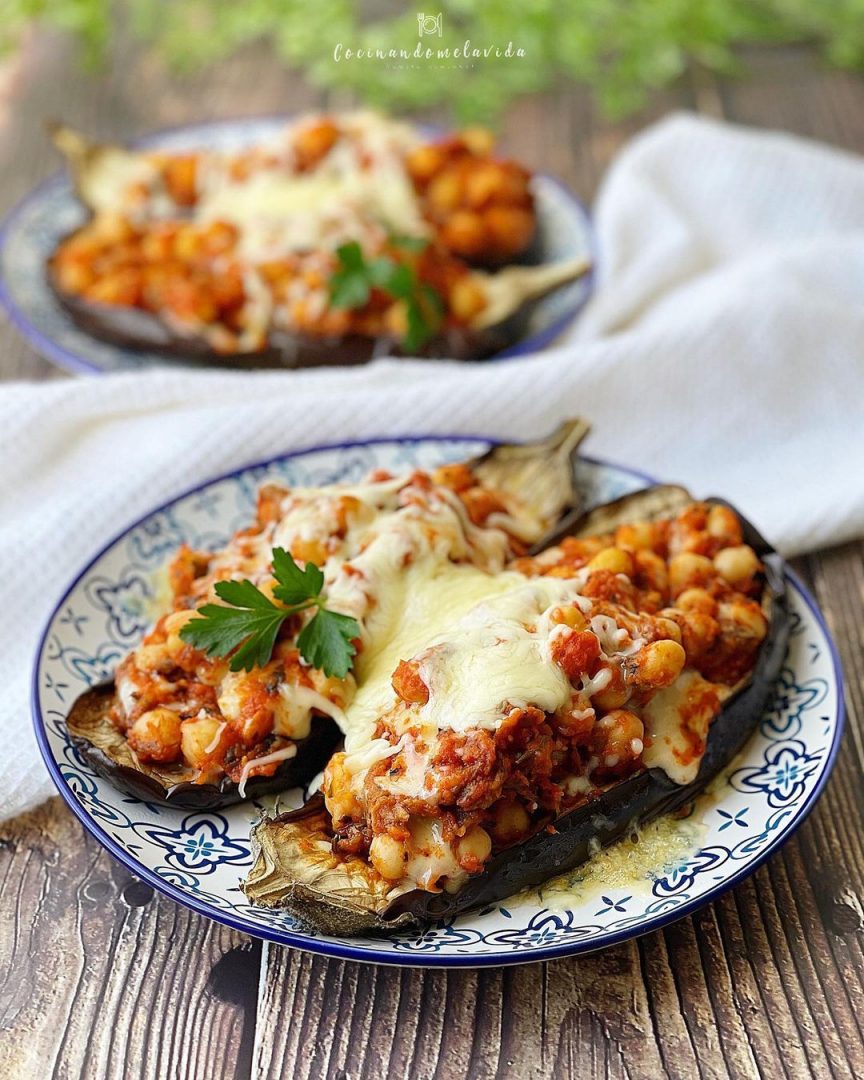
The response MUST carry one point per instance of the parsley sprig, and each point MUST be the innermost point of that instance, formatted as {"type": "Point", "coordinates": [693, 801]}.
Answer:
{"type": "Point", "coordinates": [351, 286]}
{"type": "Point", "coordinates": [246, 625]}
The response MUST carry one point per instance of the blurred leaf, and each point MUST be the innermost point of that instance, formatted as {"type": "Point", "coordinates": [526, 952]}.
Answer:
{"type": "Point", "coordinates": [623, 49]}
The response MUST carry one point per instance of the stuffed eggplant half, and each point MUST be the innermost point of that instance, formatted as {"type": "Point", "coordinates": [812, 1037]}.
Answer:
{"type": "Point", "coordinates": [593, 685]}
{"type": "Point", "coordinates": [345, 237]}
{"type": "Point", "coordinates": [251, 674]}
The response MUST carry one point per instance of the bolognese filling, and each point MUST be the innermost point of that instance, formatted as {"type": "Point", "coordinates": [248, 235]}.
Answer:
{"type": "Point", "coordinates": [342, 224]}
{"type": "Point", "coordinates": [583, 665]}
{"type": "Point", "coordinates": [380, 545]}
{"type": "Point", "coordinates": [489, 692]}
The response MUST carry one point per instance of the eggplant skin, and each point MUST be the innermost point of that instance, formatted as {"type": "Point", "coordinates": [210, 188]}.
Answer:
{"type": "Point", "coordinates": [292, 870]}
{"type": "Point", "coordinates": [105, 749]}
{"type": "Point", "coordinates": [139, 330]}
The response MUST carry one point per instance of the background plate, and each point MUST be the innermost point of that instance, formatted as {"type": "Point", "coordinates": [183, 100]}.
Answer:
{"type": "Point", "coordinates": [198, 859]}
{"type": "Point", "coordinates": [33, 229]}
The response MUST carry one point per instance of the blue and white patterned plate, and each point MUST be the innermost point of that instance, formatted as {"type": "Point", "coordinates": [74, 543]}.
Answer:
{"type": "Point", "coordinates": [199, 858]}
{"type": "Point", "coordinates": [33, 229]}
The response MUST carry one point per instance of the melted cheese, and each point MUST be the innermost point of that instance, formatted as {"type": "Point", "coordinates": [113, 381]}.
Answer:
{"type": "Point", "coordinates": [293, 716]}
{"type": "Point", "coordinates": [277, 213]}
{"type": "Point", "coordinates": [429, 601]}
{"type": "Point", "coordinates": [358, 188]}
{"type": "Point", "coordinates": [674, 718]}
{"type": "Point", "coordinates": [497, 656]}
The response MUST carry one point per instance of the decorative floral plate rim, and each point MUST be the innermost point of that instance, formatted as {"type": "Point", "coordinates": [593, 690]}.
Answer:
{"type": "Point", "coordinates": [427, 948]}
{"type": "Point", "coordinates": [84, 354]}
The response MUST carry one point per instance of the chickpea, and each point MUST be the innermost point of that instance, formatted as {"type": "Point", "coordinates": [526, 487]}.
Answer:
{"type": "Point", "coordinates": [618, 738]}
{"type": "Point", "coordinates": [445, 192]}
{"type": "Point", "coordinates": [650, 570]}
{"type": "Point", "coordinates": [188, 243]}
{"type": "Point", "coordinates": [396, 318]}
{"type": "Point", "coordinates": [456, 477]}
{"type": "Point", "coordinates": [637, 536]}
{"type": "Point", "coordinates": [689, 569]}
{"type": "Point", "coordinates": [121, 288]}
{"type": "Point", "coordinates": [423, 162]}
{"type": "Point", "coordinates": [658, 664]}
{"type": "Point", "coordinates": [388, 856]}
{"type": "Point", "coordinates": [338, 792]}
{"type": "Point", "coordinates": [614, 694]}
{"type": "Point", "coordinates": [668, 628]}
{"type": "Point", "coordinates": [196, 736]}
{"type": "Point", "coordinates": [510, 227]}
{"type": "Point", "coordinates": [614, 560]}
{"type": "Point", "coordinates": [699, 632]}
{"type": "Point", "coordinates": [696, 600]}
{"type": "Point", "coordinates": [463, 233]}
{"type": "Point", "coordinates": [155, 735]}
{"type": "Point", "coordinates": [724, 525]}
{"type": "Point", "coordinates": [310, 550]}
{"type": "Point", "coordinates": [569, 616]}
{"type": "Point", "coordinates": [480, 503]}
{"type": "Point", "coordinates": [180, 176]}
{"type": "Point", "coordinates": [746, 617]}
{"type": "Point", "coordinates": [175, 621]}
{"type": "Point", "coordinates": [467, 299]}
{"type": "Point", "coordinates": [313, 142]}
{"type": "Point", "coordinates": [153, 657]}
{"type": "Point", "coordinates": [483, 184]}
{"type": "Point", "coordinates": [73, 277]}
{"type": "Point", "coordinates": [736, 564]}
{"type": "Point", "coordinates": [511, 822]}
{"type": "Point", "coordinates": [474, 849]}
{"type": "Point", "coordinates": [111, 228]}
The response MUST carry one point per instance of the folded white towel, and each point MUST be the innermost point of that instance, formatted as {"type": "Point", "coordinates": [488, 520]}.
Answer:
{"type": "Point", "coordinates": [724, 349]}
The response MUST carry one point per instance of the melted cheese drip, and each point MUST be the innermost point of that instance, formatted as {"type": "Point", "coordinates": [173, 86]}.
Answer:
{"type": "Point", "coordinates": [276, 214]}
{"type": "Point", "coordinates": [497, 656]}
{"type": "Point", "coordinates": [688, 705]}
{"type": "Point", "coordinates": [428, 600]}
{"type": "Point", "coordinates": [361, 184]}
{"type": "Point", "coordinates": [391, 566]}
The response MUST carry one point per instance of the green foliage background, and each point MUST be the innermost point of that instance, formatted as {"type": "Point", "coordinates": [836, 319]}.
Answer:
{"type": "Point", "coordinates": [623, 49]}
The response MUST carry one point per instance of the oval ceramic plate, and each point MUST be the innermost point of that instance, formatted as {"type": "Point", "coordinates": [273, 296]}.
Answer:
{"type": "Point", "coordinates": [33, 229]}
{"type": "Point", "coordinates": [199, 859]}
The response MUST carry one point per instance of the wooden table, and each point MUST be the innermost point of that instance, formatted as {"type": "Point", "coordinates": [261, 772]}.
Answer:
{"type": "Point", "coordinates": [101, 977]}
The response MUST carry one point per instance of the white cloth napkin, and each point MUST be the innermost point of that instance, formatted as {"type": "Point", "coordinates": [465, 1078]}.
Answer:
{"type": "Point", "coordinates": [724, 349]}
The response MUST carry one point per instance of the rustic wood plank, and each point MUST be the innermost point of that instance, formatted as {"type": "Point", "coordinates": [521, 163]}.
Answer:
{"type": "Point", "coordinates": [103, 978]}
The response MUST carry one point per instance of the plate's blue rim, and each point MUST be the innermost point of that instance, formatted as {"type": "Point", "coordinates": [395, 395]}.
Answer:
{"type": "Point", "coordinates": [347, 952]}
{"type": "Point", "coordinates": [79, 364]}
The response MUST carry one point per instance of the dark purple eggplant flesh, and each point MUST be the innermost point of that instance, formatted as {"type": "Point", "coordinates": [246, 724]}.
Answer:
{"type": "Point", "coordinates": [294, 868]}
{"type": "Point", "coordinates": [106, 750]}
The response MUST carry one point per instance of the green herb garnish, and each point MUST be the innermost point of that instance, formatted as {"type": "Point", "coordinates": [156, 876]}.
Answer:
{"type": "Point", "coordinates": [352, 282]}
{"type": "Point", "coordinates": [249, 621]}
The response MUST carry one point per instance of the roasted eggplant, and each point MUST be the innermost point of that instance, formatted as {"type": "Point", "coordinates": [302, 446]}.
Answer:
{"type": "Point", "coordinates": [140, 330]}
{"type": "Point", "coordinates": [211, 297]}
{"type": "Point", "coordinates": [296, 869]}
{"type": "Point", "coordinates": [106, 750]}
{"type": "Point", "coordinates": [540, 474]}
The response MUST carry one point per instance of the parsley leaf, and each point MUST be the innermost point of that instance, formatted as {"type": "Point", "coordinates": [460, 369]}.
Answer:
{"type": "Point", "coordinates": [352, 283]}
{"type": "Point", "coordinates": [425, 312]}
{"type": "Point", "coordinates": [326, 642]}
{"type": "Point", "coordinates": [221, 629]}
{"type": "Point", "coordinates": [246, 625]}
{"type": "Point", "coordinates": [350, 286]}
{"type": "Point", "coordinates": [295, 586]}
